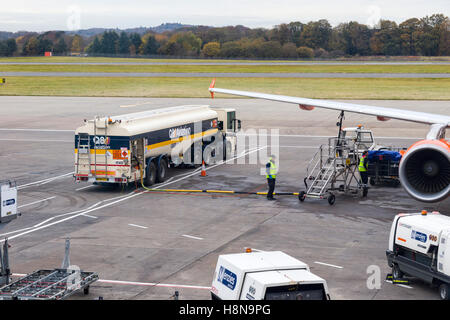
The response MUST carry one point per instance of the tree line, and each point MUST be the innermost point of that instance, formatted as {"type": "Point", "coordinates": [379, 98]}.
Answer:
{"type": "Point", "coordinates": [427, 36]}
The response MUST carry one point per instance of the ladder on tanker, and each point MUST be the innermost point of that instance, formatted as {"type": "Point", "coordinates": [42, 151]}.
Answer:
{"type": "Point", "coordinates": [83, 153]}
{"type": "Point", "coordinates": [332, 164]}
{"type": "Point", "coordinates": [100, 130]}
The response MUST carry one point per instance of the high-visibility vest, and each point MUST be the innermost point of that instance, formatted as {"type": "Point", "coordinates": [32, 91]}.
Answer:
{"type": "Point", "coordinates": [272, 171]}
{"type": "Point", "coordinates": [361, 166]}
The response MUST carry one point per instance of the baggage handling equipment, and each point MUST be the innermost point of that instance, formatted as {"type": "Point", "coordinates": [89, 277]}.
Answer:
{"type": "Point", "coordinates": [48, 285]}
{"type": "Point", "coordinates": [334, 167]}
{"type": "Point", "coordinates": [56, 284]}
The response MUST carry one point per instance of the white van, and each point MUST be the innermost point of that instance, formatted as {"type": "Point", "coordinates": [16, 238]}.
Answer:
{"type": "Point", "coordinates": [265, 276]}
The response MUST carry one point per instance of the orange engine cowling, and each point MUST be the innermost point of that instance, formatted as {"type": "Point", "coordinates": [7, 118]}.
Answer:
{"type": "Point", "coordinates": [425, 170]}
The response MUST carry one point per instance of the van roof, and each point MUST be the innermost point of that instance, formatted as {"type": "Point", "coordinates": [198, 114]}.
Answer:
{"type": "Point", "coordinates": [265, 260]}
{"type": "Point", "coordinates": [433, 222]}
{"type": "Point", "coordinates": [285, 277]}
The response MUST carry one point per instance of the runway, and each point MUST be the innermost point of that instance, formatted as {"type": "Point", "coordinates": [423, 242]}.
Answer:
{"type": "Point", "coordinates": [224, 75]}
{"type": "Point", "coordinates": [235, 63]}
{"type": "Point", "coordinates": [147, 245]}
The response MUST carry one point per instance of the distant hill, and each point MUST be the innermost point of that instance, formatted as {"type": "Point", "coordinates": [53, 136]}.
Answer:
{"type": "Point", "coordinates": [140, 30]}
{"type": "Point", "coordinates": [96, 31]}
{"type": "Point", "coordinates": [6, 35]}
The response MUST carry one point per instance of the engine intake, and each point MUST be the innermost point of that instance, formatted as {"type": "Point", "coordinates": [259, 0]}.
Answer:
{"type": "Point", "coordinates": [425, 170]}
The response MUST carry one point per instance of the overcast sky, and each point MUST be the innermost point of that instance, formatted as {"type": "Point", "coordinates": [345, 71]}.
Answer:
{"type": "Point", "coordinates": [43, 15]}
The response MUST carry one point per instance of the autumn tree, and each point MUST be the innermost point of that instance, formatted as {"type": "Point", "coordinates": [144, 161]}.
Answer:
{"type": "Point", "coordinates": [211, 49]}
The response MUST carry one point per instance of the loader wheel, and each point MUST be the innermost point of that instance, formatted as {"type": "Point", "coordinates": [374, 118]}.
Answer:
{"type": "Point", "coordinates": [162, 171]}
{"type": "Point", "coordinates": [302, 196]}
{"type": "Point", "coordinates": [150, 176]}
{"type": "Point", "coordinates": [444, 291]}
{"type": "Point", "coordinates": [372, 181]}
{"type": "Point", "coordinates": [331, 199]}
{"type": "Point", "coordinates": [396, 273]}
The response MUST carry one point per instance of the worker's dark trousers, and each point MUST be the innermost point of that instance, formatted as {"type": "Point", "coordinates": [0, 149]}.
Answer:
{"type": "Point", "coordinates": [271, 183]}
{"type": "Point", "coordinates": [365, 180]}
{"type": "Point", "coordinates": [364, 177]}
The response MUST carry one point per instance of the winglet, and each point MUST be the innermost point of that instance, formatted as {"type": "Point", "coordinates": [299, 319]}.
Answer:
{"type": "Point", "coordinates": [213, 83]}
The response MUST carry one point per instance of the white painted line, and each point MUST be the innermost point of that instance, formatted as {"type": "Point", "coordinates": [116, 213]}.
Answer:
{"type": "Point", "coordinates": [298, 147]}
{"type": "Point", "coordinates": [135, 225]}
{"type": "Point", "coordinates": [96, 206]}
{"type": "Point", "coordinates": [253, 249]}
{"type": "Point", "coordinates": [150, 284]}
{"type": "Point", "coordinates": [192, 237]}
{"type": "Point", "coordinates": [90, 186]}
{"type": "Point", "coordinates": [29, 204]}
{"type": "Point", "coordinates": [82, 212]}
{"type": "Point", "coordinates": [86, 215]}
{"type": "Point", "coordinates": [134, 105]}
{"type": "Point", "coordinates": [35, 130]}
{"type": "Point", "coordinates": [316, 136]}
{"type": "Point", "coordinates": [329, 265]}
{"type": "Point", "coordinates": [35, 140]}
{"type": "Point", "coordinates": [44, 181]}
{"type": "Point", "coordinates": [400, 285]}
{"type": "Point", "coordinates": [132, 283]}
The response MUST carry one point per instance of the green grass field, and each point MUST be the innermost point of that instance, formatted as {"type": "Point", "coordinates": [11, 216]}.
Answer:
{"type": "Point", "coordinates": [131, 60]}
{"type": "Point", "coordinates": [434, 68]}
{"type": "Point", "coordinates": [325, 88]}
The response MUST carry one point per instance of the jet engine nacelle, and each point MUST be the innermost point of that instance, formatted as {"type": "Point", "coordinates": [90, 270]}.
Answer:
{"type": "Point", "coordinates": [425, 170]}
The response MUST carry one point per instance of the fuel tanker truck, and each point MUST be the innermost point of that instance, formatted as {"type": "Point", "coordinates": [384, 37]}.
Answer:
{"type": "Point", "coordinates": [125, 148]}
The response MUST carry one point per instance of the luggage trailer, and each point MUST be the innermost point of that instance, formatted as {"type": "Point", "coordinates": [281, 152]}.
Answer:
{"type": "Point", "coordinates": [56, 284]}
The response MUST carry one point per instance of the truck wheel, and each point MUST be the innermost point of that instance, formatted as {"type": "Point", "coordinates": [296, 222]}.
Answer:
{"type": "Point", "coordinates": [331, 199]}
{"type": "Point", "coordinates": [86, 290]}
{"type": "Point", "coordinates": [302, 196]}
{"type": "Point", "coordinates": [396, 273]}
{"type": "Point", "coordinates": [444, 291]}
{"type": "Point", "coordinates": [150, 176]}
{"type": "Point", "coordinates": [162, 171]}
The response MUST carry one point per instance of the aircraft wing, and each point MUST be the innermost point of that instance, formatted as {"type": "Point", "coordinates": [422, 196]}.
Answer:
{"type": "Point", "coordinates": [380, 112]}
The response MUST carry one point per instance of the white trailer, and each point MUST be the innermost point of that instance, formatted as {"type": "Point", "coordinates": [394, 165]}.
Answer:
{"type": "Point", "coordinates": [271, 275]}
{"type": "Point", "coordinates": [419, 246]}
{"type": "Point", "coordinates": [122, 149]}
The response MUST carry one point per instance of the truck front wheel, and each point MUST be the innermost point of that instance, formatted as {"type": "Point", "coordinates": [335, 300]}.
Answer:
{"type": "Point", "coordinates": [444, 291]}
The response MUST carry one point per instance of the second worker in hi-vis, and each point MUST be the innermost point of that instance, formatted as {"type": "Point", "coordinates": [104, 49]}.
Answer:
{"type": "Point", "coordinates": [271, 170]}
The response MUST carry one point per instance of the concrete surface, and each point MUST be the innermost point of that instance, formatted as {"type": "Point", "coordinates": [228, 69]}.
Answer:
{"type": "Point", "coordinates": [165, 241]}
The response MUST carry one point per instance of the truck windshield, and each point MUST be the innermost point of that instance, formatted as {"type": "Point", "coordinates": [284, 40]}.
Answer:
{"type": "Point", "coordinates": [296, 292]}
{"type": "Point", "coordinates": [365, 137]}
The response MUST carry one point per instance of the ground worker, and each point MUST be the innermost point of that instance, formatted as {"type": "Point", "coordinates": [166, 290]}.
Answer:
{"type": "Point", "coordinates": [362, 167]}
{"type": "Point", "coordinates": [271, 170]}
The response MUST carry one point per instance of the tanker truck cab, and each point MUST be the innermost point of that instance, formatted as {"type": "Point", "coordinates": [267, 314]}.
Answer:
{"type": "Point", "coordinates": [363, 138]}
{"type": "Point", "coordinates": [142, 146]}
{"type": "Point", "coordinates": [419, 246]}
{"type": "Point", "coordinates": [265, 276]}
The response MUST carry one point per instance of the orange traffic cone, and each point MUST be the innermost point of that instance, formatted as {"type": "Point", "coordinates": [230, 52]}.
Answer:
{"type": "Point", "coordinates": [203, 174]}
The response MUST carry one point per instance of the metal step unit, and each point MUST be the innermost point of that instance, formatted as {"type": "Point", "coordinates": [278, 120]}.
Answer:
{"type": "Point", "coordinates": [333, 168]}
